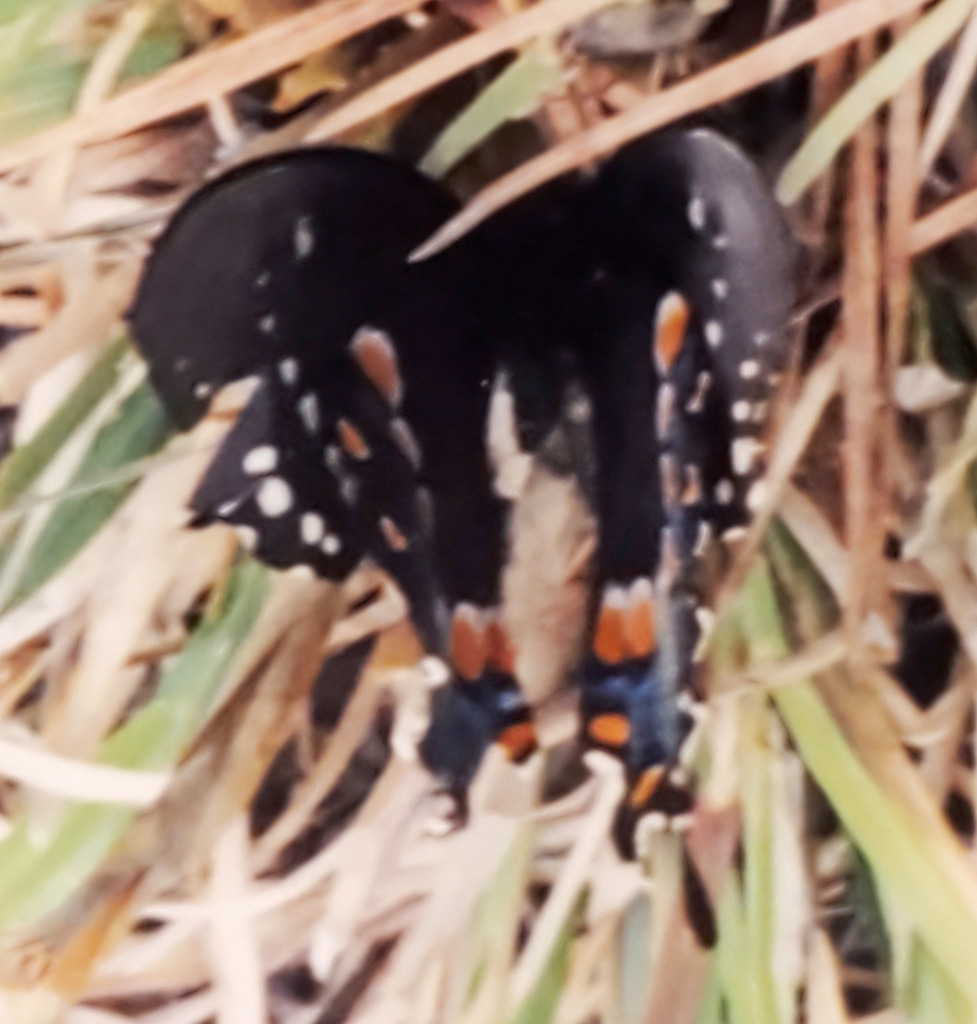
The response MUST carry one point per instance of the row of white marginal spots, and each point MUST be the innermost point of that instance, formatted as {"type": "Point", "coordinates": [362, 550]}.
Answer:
{"type": "Point", "coordinates": [745, 449]}
{"type": "Point", "coordinates": [374, 352]}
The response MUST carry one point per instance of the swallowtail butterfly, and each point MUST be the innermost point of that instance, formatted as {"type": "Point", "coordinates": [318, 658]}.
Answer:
{"type": "Point", "coordinates": [535, 432]}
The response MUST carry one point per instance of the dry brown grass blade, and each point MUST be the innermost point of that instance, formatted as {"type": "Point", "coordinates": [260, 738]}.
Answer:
{"type": "Point", "coordinates": [944, 222]}
{"type": "Point", "coordinates": [550, 16]}
{"type": "Point", "coordinates": [152, 554]}
{"type": "Point", "coordinates": [99, 81]}
{"type": "Point", "coordinates": [732, 77]}
{"type": "Point", "coordinates": [860, 347]}
{"type": "Point", "coordinates": [349, 733]}
{"type": "Point", "coordinates": [95, 304]}
{"type": "Point", "coordinates": [222, 772]}
{"type": "Point", "coordinates": [902, 184]}
{"type": "Point", "coordinates": [195, 81]}
{"type": "Point", "coordinates": [952, 96]}
{"type": "Point", "coordinates": [232, 947]}
{"type": "Point", "coordinates": [830, 76]}
{"type": "Point", "coordinates": [812, 530]}
{"type": "Point", "coordinates": [825, 998]}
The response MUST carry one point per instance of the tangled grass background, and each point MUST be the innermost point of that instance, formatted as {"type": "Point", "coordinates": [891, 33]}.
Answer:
{"type": "Point", "coordinates": [209, 803]}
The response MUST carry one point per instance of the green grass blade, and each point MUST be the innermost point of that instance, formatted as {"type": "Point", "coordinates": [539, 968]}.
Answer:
{"type": "Point", "coordinates": [539, 1006]}
{"type": "Point", "coordinates": [25, 463]}
{"type": "Point", "coordinates": [759, 867]}
{"type": "Point", "coordinates": [41, 76]}
{"type": "Point", "coordinates": [711, 1006]}
{"type": "Point", "coordinates": [36, 881]}
{"type": "Point", "coordinates": [932, 997]}
{"type": "Point", "coordinates": [516, 93]}
{"type": "Point", "coordinates": [892, 845]}
{"type": "Point", "coordinates": [733, 956]}
{"type": "Point", "coordinates": [163, 42]}
{"type": "Point", "coordinates": [634, 958]}
{"type": "Point", "coordinates": [879, 84]}
{"type": "Point", "coordinates": [140, 429]}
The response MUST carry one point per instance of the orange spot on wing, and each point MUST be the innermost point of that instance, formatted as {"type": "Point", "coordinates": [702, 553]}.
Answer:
{"type": "Point", "coordinates": [518, 740]}
{"type": "Point", "coordinates": [392, 534]}
{"type": "Point", "coordinates": [639, 628]}
{"type": "Point", "coordinates": [352, 440]}
{"type": "Point", "coordinates": [377, 358]}
{"type": "Point", "coordinates": [692, 493]}
{"type": "Point", "coordinates": [609, 637]}
{"type": "Point", "coordinates": [671, 322]}
{"type": "Point", "coordinates": [644, 788]}
{"type": "Point", "coordinates": [610, 730]}
{"type": "Point", "coordinates": [468, 645]}
{"type": "Point", "coordinates": [501, 655]}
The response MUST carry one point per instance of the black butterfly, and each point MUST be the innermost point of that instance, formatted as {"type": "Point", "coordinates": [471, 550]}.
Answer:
{"type": "Point", "coordinates": [530, 432]}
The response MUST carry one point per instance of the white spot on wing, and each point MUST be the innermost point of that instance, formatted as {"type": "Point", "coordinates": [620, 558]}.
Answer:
{"type": "Point", "coordinates": [579, 410]}
{"type": "Point", "coordinates": [308, 409]}
{"type": "Point", "coordinates": [274, 497]}
{"type": "Point", "coordinates": [720, 287]}
{"type": "Point", "coordinates": [697, 402]}
{"type": "Point", "coordinates": [267, 323]}
{"type": "Point", "coordinates": [749, 369]}
{"type": "Point", "coordinates": [288, 371]}
{"type": "Point", "coordinates": [714, 333]}
{"type": "Point", "coordinates": [425, 508]}
{"type": "Point", "coordinates": [260, 460]}
{"type": "Point", "coordinates": [725, 492]}
{"type": "Point", "coordinates": [349, 490]}
{"type": "Point", "coordinates": [757, 495]}
{"type": "Point", "coordinates": [331, 544]}
{"type": "Point", "coordinates": [743, 453]}
{"type": "Point", "coordinates": [703, 539]}
{"type": "Point", "coordinates": [741, 411]}
{"type": "Point", "coordinates": [405, 440]}
{"type": "Point", "coordinates": [304, 237]}
{"type": "Point", "coordinates": [614, 596]}
{"type": "Point", "coordinates": [696, 212]}
{"type": "Point", "coordinates": [203, 390]}
{"type": "Point", "coordinates": [312, 527]}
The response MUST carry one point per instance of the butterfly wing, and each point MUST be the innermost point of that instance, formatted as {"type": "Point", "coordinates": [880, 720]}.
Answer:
{"type": "Point", "coordinates": [283, 258]}
{"type": "Point", "coordinates": [366, 434]}
{"type": "Point", "coordinates": [692, 289]}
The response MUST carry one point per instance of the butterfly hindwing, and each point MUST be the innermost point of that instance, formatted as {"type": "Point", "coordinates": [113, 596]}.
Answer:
{"type": "Point", "coordinates": [271, 480]}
